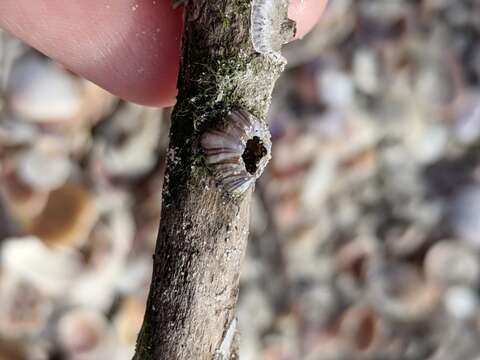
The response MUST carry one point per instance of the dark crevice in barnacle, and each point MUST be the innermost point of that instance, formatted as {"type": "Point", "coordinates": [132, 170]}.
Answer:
{"type": "Point", "coordinates": [254, 152]}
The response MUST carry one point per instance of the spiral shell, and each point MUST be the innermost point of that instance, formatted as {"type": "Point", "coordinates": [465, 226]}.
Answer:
{"type": "Point", "coordinates": [270, 27]}
{"type": "Point", "coordinates": [237, 151]}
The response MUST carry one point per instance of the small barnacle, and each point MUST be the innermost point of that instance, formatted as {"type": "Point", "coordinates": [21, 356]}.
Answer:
{"type": "Point", "coordinates": [237, 151]}
{"type": "Point", "coordinates": [270, 25]}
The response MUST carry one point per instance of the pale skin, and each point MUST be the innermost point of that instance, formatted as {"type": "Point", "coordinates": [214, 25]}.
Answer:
{"type": "Point", "coordinates": [129, 47]}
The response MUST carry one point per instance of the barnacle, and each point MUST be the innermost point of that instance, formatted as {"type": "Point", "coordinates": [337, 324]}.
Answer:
{"type": "Point", "coordinates": [237, 151]}
{"type": "Point", "coordinates": [270, 26]}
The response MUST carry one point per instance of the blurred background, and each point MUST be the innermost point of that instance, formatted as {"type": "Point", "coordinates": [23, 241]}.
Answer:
{"type": "Point", "coordinates": [365, 232]}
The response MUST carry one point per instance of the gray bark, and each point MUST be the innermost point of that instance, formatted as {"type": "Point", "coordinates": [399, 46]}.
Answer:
{"type": "Point", "coordinates": [203, 231]}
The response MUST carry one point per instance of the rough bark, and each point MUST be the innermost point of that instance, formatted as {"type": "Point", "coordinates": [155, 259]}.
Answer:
{"type": "Point", "coordinates": [203, 230]}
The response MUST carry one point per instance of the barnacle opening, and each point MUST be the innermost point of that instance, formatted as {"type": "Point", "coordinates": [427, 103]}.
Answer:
{"type": "Point", "coordinates": [254, 151]}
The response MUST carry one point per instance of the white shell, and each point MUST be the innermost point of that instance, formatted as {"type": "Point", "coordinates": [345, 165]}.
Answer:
{"type": "Point", "coordinates": [51, 270]}
{"type": "Point", "coordinates": [24, 307]}
{"type": "Point", "coordinates": [84, 334]}
{"type": "Point", "coordinates": [43, 171]}
{"type": "Point", "coordinates": [461, 302]}
{"type": "Point", "coordinates": [14, 131]}
{"type": "Point", "coordinates": [97, 285]}
{"type": "Point", "coordinates": [39, 90]}
{"type": "Point", "coordinates": [270, 26]}
{"type": "Point", "coordinates": [136, 155]}
{"type": "Point", "coordinates": [226, 150]}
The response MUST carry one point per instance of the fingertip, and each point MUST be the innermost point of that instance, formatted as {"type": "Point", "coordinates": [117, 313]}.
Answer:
{"type": "Point", "coordinates": [306, 14]}
{"type": "Point", "coordinates": [144, 68]}
{"type": "Point", "coordinates": [130, 50]}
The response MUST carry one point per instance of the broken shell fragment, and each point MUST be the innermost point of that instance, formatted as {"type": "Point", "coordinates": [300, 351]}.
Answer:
{"type": "Point", "coordinates": [28, 259]}
{"type": "Point", "coordinates": [238, 151]}
{"type": "Point", "coordinates": [400, 293]}
{"type": "Point", "coordinates": [67, 218]}
{"type": "Point", "coordinates": [14, 131]}
{"type": "Point", "coordinates": [360, 326]}
{"type": "Point", "coordinates": [12, 350]}
{"type": "Point", "coordinates": [448, 263]}
{"type": "Point", "coordinates": [128, 321]}
{"type": "Point", "coordinates": [43, 171]}
{"type": "Point", "coordinates": [40, 91]}
{"type": "Point", "coordinates": [270, 25]}
{"type": "Point", "coordinates": [461, 302]}
{"type": "Point", "coordinates": [24, 308]}
{"type": "Point", "coordinates": [22, 201]}
{"type": "Point", "coordinates": [83, 333]}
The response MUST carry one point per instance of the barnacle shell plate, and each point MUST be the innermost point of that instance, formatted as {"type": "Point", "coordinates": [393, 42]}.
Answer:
{"type": "Point", "coordinates": [270, 25]}
{"type": "Point", "coordinates": [238, 151]}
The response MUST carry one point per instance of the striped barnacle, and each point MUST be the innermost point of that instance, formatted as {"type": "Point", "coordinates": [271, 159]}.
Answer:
{"type": "Point", "coordinates": [270, 25]}
{"type": "Point", "coordinates": [237, 151]}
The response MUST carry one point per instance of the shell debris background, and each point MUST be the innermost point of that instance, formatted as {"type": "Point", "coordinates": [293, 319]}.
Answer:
{"type": "Point", "coordinates": [364, 241]}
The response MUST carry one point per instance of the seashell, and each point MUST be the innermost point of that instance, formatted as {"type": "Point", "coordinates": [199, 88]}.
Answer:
{"type": "Point", "coordinates": [366, 71]}
{"type": "Point", "coordinates": [327, 346]}
{"type": "Point", "coordinates": [319, 182]}
{"type": "Point", "coordinates": [14, 131]}
{"type": "Point", "coordinates": [42, 92]}
{"type": "Point", "coordinates": [67, 218]}
{"type": "Point", "coordinates": [430, 145]}
{"type": "Point", "coordinates": [270, 25]}
{"type": "Point", "coordinates": [238, 151]}
{"type": "Point", "coordinates": [435, 77]}
{"type": "Point", "coordinates": [51, 270]}
{"type": "Point", "coordinates": [351, 264]}
{"type": "Point", "coordinates": [276, 347]}
{"type": "Point", "coordinates": [464, 215]}
{"type": "Point", "coordinates": [134, 276]}
{"type": "Point", "coordinates": [129, 148]}
{"type": "Point", "coordinates": [405, 240]}
{"type": "Point", "coordinates": [105, 269]}
{"type": "Point", "coordinates": [43, 171]}
{"type": "Point", "coordinates": [254, 312]}
{"type": "Point", "coordinates": [461, 302]}
{"type": "Point", "coordinates": [335, 88]}
{"type": "Point", "coordinates": [398, 292]}
{"type": "Point", "coordinates": [84, 334]}
{"type": "Point", "coordinates": [22, 201]}
{"type": "Point", "coordinates": [449, 263]}
{"type": "Point", "coordinates": [24, 307]}
{"type": "Point", "coordinates": [128, 320]}
{"type": "Point", "coordinates": [360, 326]}
{"type": "Point", "coordinates": [388, 11]}
{"type": "Point", "coordinates": [317, 304]}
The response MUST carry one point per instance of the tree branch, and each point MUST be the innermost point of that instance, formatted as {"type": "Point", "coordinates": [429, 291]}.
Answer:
{"type": "Point", "coordinates": [204, 229]}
